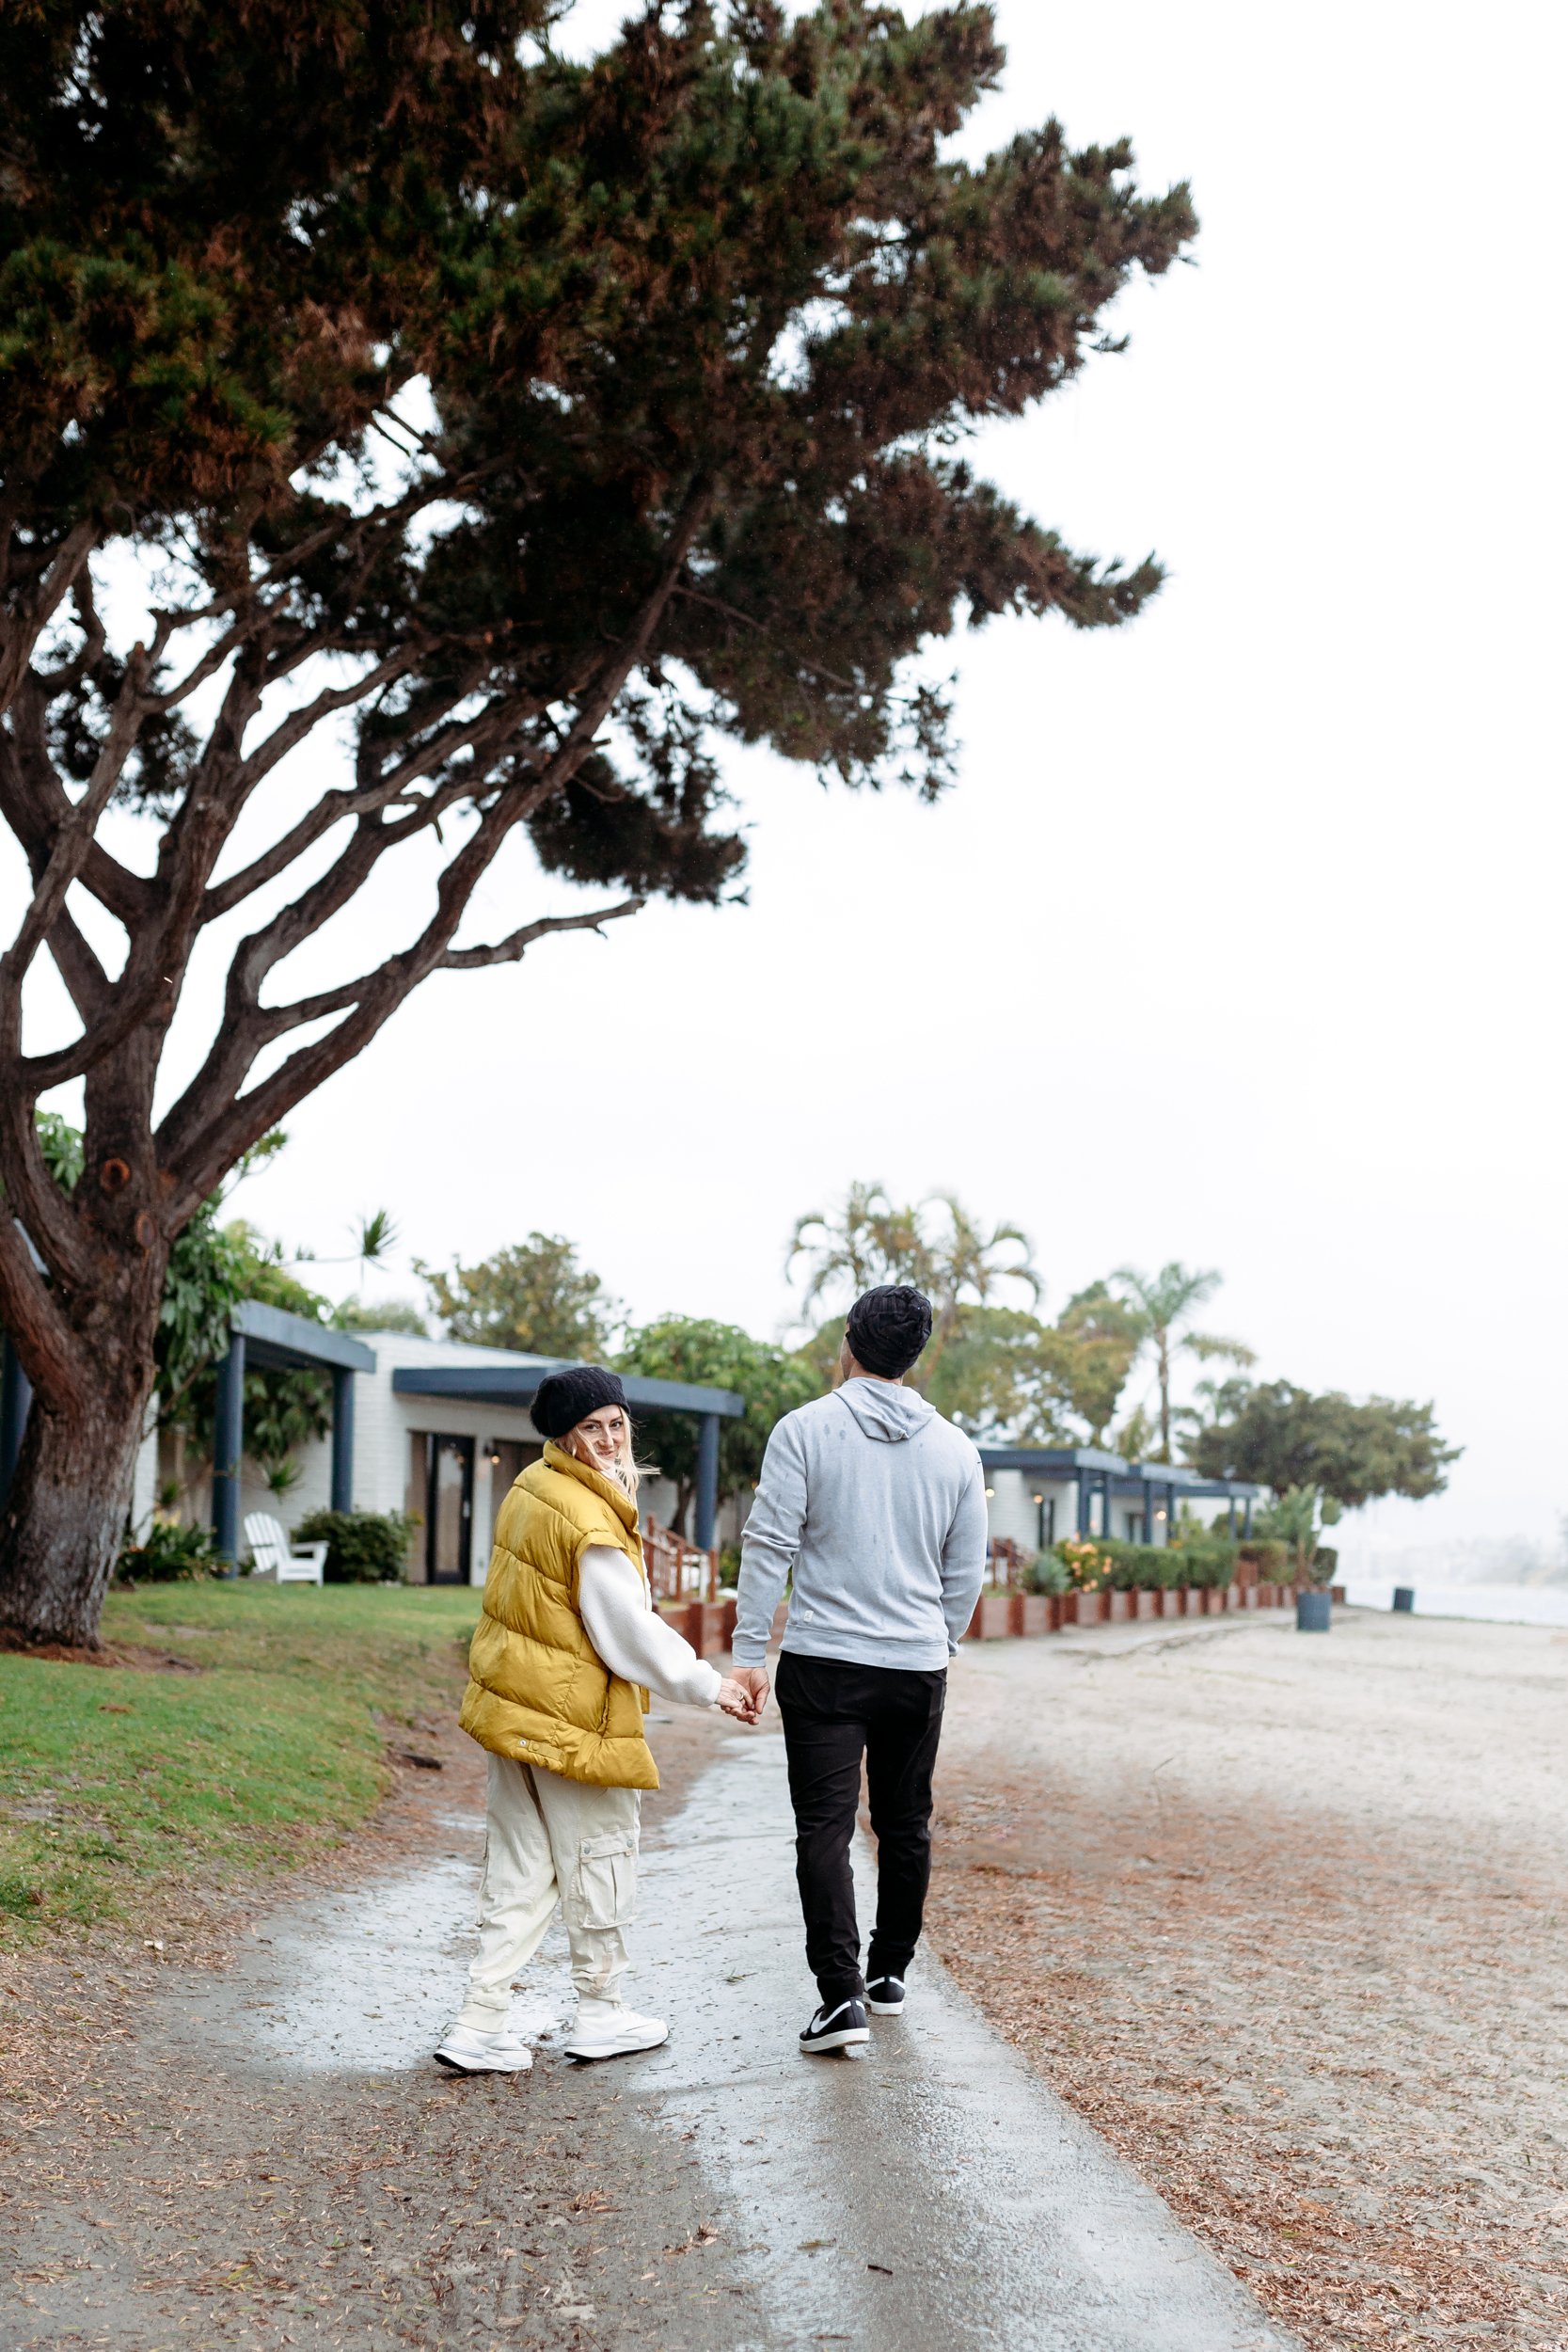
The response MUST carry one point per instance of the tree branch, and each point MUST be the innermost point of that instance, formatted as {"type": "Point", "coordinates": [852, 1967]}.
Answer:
{"type": "Point", "coordinates": [512, 950]}
{"type": "Point", "coordinates": [20, 630]}
{"type": "Point", "coordinates": [195, 1149]}
{"type": "Point", "coordinates": [36, 805]}
{"type": "Point", "coordinates": [69, 849]}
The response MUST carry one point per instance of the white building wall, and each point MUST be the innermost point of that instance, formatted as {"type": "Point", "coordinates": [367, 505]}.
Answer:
{"type": "Point", "coordinates": [1013, 1513]}
{"type": "Point", "coordinates": [144, 1490]}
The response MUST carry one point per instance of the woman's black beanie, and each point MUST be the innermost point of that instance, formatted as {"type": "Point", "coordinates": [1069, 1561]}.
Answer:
{"type": "Point", "coordinates": [887, 1327]}
{"type": "Point", "coordinates": [564, 1398]}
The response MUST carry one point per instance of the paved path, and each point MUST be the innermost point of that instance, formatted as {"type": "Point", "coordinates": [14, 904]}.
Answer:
{"type": "Point", "coordinates": [931, 2195]}
{"type": "Point", "coordinates": [274, 2160]}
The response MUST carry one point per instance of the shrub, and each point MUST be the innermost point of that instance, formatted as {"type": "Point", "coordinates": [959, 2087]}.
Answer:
{"type": "Point", "coordinates": [363, 1547]}
{"type": "Point", "coordinates": [168, 1554]}
{"type": "Point", "coordinates": [1205, 1559]}
{"type": "Point", "coordinates": [1087, 1563]}
{"type": "Point", "coordinates": [1142, 1567]}
{"type": "Point", "coordinates": [1325, 1562]}
{"type": "Point", "coordinates": [1045, 1573]}
{"type": "Point", "coordinates": [1269, 1556]}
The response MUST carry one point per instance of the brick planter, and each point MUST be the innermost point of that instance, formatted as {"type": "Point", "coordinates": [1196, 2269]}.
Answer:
{"type": "Point", "coordinates": [993, 1617]}
{"type": "Point", "coordinates": [1147, 1604]}
{"type": "Point", "coordinates": [1037, 1612]}
{"type": "Point", "coordinates": [1123, 1608]}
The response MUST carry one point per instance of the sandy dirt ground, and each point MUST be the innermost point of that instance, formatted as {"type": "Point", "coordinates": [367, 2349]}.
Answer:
{"type": "Point", "coordinates": [149, 2202]}
{"type": "Point", "coordinates": [1286, 1918]}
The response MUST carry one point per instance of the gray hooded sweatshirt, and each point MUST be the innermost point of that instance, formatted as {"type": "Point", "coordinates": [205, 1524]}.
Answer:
{"type": "Point", "coordinates": [878, 1507]}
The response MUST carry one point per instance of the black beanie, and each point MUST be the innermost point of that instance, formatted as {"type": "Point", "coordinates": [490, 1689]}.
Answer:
{"type": "Point", "coordinates": [887, 1327]}
{"type": "Point", "coordinates": [564, 1398]}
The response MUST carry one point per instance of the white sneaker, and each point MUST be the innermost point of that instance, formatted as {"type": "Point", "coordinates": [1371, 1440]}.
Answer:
{"type": "Point", "coordinates": [466, 2051]}
{"type": "Point", "coordinates": [605, 2030]}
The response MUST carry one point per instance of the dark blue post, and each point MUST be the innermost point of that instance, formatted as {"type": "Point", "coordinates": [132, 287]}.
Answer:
{"type": "Point", "coordinates": [707, 1480]}
{"type": "Point", "coordinates": [1232, 1518]}
{"type": "Point", "coordinates": [1247, 1523]}
{"type": "Point", "coordinates": [1148, 1510]}
{"type": "Point", "coordinates": [1083, 1506]}
{"type": "Point", "coordinates": [228, 1448]}
{"type": "Point", "coordinates": [342, 1438]}
{"type": "Point", "coordinates": [16, 1395]}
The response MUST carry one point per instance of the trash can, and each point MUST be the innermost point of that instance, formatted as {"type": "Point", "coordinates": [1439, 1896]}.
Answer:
{"type": "Point", "coordinates": [1314, 1613]}
{"type": "Point", "coordinates": [1404, 1600]}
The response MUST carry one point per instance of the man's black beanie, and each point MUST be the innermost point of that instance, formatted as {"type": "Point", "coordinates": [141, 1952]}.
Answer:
{"type": "Point", "coordinates": [564, 1398]}
{"type": "Point", "coordinates": [887, 1327]}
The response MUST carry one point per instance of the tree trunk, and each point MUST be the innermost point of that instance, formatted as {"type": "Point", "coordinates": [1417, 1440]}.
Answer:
{"type": "Point", "coordinates": [66, 1513]}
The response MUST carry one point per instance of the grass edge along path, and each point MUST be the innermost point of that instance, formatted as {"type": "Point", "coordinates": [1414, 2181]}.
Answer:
{"type": "Point", "coordinates": [247, 1737]}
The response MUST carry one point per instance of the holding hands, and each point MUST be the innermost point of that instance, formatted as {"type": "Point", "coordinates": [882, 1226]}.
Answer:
{"type": "Point", "coordinates": [743, 1693]}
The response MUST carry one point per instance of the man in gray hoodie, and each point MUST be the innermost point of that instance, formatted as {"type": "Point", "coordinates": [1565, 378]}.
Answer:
{"type": "Point", "coordinates": [875, 1506]}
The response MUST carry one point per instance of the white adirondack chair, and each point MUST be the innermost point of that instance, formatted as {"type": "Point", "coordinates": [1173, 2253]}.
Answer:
{"type": "Point", "coordinates": [272, 1554]}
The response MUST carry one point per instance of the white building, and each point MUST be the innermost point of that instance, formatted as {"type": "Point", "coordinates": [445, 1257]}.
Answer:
{"type": "Point", "coordinates": [1037, 1495]}
{"type": "Point", "coordinates": [431, 1427]}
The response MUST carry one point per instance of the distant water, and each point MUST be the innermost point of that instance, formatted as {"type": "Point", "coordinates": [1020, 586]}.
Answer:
{"type": "Point", "coordinates": [1501, 1604]}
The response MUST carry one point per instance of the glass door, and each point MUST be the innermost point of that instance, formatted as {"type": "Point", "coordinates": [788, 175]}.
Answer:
{"type": "Point", "coordinates": [448, 1509]}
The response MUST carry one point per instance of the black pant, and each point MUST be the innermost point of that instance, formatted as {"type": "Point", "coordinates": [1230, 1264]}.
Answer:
{"type": "Point", "coordinates": [833, 1714]}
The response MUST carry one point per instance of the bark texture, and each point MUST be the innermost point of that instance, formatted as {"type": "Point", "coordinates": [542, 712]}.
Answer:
{"type": "Point", "coordinates": [60, 1532]}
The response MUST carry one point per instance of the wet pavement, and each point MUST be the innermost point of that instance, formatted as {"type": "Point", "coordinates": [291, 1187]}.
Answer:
{"type": "Point", "coordinates": [275, 2161]}
{"type": "Point", "coordinates": [931, 2194]}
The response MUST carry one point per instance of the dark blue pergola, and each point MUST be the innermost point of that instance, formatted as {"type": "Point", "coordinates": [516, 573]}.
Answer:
{"type": "Point", "coordinates": [1107, 1474]}
{"type": "Point", "coordinates": [516, 1386]}
{"type": "Point", "coordinates": [267, 1339]}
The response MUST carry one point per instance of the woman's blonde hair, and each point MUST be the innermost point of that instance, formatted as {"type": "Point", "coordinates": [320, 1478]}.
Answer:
{"type": "Point", "coordinates": [625, 1469]}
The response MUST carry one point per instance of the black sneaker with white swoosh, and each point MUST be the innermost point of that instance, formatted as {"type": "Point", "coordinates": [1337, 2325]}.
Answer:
{"type": "Point", "coordinates": [884, 1996]}
{"type": "Point", "coordinates": [836, 2028]}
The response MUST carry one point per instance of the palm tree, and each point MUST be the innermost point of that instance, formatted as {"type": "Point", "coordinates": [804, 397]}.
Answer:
{"type": "Point", "coordinates": [968, 1264]}
{"type": "Point", "coordinates": [865, 1241]}
{"type": "Point", "coordinates": [1165, 1303]}
{"type": "Point", "coordinates": [948, 1255]}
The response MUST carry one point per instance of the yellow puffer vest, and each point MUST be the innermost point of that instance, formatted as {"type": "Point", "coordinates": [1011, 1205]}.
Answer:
{"type": "Point", "coordinates": [538, 1689]}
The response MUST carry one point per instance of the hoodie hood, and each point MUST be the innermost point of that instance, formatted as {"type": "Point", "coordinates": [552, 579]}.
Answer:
{"type": "Point", "coordinates": [885, 1412]}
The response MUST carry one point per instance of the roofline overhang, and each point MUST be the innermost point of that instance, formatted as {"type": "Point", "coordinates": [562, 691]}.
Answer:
{"type": "Point", "coordinates": [1066, 1460]}
{"type": "Point", "coordinates": [276, 1340]}
{"type": "Point", "coordinates": [516, 1386]}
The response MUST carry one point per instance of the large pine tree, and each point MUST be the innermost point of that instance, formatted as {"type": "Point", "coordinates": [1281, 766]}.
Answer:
{"type": "Point", "coordinates": [424, 388]}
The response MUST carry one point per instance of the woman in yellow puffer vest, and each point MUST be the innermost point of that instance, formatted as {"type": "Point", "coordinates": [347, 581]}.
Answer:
{"type": "Point", "coordinates": [566, 1651]}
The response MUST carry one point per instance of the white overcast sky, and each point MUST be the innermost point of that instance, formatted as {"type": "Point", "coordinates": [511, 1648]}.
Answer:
{"type": "Point", "coordinates": [1239, 940]}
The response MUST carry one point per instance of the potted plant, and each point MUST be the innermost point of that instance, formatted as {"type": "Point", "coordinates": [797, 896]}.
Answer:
{"type": "Point", "coordinates": [1297, 1519]}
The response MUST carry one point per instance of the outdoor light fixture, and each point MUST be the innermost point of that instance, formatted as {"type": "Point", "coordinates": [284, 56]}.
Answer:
{"type": "Point", "coordinates": [1158, 1515]}
{"type": "Point", "coordinates": [1036, 1498]}
{"type": "Point", "coordinates": [989, 1492]}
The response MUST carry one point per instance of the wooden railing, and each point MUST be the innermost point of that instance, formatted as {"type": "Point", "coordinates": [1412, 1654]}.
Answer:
{"type": "Point", "coordinates": [1004, 1563]}
{"type": "Point", "coordinates": [677, 1570]}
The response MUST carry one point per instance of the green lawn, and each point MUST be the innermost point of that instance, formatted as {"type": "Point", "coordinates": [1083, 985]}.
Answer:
{"type": "Point", "coordinates": [117, 1784]}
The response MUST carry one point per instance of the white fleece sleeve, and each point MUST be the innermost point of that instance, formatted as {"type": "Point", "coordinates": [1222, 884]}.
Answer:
{"type": "Point", "coordinates": [963, 1559]}
{"type": "Point", "coordinates": [633, 1639]}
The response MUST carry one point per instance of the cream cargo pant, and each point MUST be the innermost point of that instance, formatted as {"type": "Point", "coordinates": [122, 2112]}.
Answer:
{"type": "Point", "coordinates": [550, 1841]}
